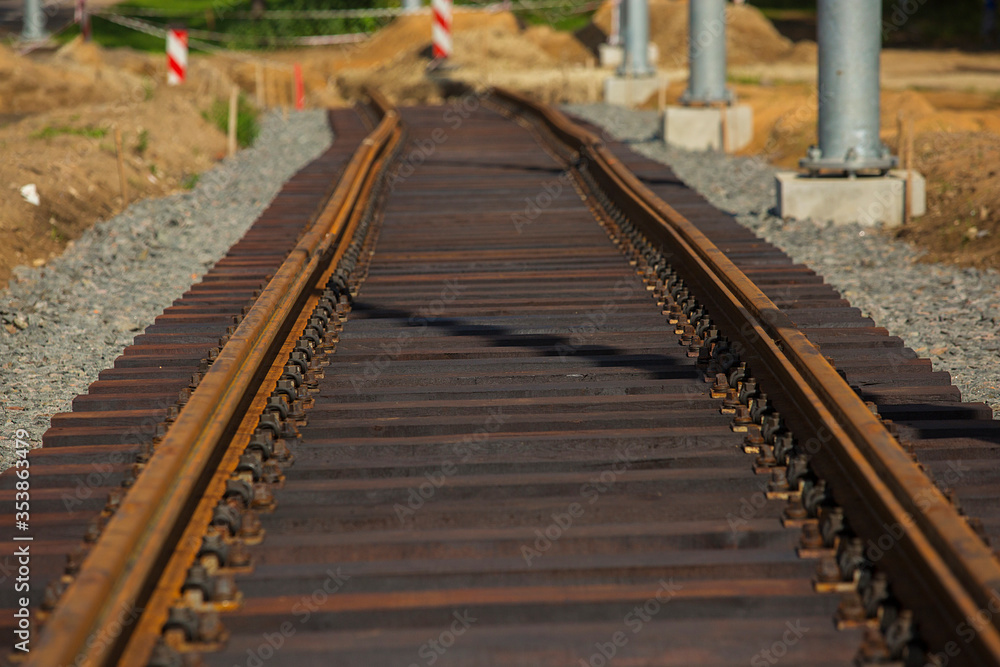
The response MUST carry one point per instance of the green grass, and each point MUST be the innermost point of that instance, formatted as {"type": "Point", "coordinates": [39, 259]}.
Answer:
{"type": "Point", "coordinates": [744, 79]}
{"type": "Point", "coordinates": [215, 15]}
{"type": "Point", "coordinates": [189, 181]}
{"type": "Point", "coordinates": [113, 36]}
{"type": "Point", "coordinates": [246, 119]}
{"type": "Point", "coordinates": [142, 143]}
{"type": "Point", "coordinates": [180, 7]}
{"type": "Point", "coordinates": [786, 14]}
{"type": "Point", "coordinates": [557, 19]}
{"type": "Point", "coordinates": [50, 131]}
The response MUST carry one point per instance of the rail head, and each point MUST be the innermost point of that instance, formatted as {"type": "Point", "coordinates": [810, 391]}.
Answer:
{"type": "Point", "coordinates": [121, 569]}
{"type": "Point", "coordinates": [877, 480]}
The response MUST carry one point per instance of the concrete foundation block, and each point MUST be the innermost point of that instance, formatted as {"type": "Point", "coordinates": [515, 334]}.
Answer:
{"type": "Point", "coordinates": [867, 200]}
{"type": "Point", "coordinates": [609, 55]}
{"type": "Point", "coordinates": [701, 128]}
{"type": "Point", "coordinates": [614, 56]}
{"type": "Point", "coordinates": [629, 92]}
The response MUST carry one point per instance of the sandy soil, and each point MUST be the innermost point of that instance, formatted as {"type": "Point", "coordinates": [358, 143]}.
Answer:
{"type": "Point", "coordinates": [901, 69]}
{"type": "Point", "coordinates": [57, 133]}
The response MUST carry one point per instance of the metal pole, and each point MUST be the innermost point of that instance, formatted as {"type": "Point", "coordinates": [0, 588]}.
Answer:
{"type": "Point", "coordinates": [411, 5]}
{"type": "Point", "coordinates": [83, 19]}
{"type": "Point", "coordinates": [850, 42]}
{"type": "Point", "coordinates": [636, 26]}
{"type": "Point", "coordinates": [707, 54]}
{"type": "Point", "coordinates": [34, 21]}
{"type": "Point", "coordinates": [615, 38]}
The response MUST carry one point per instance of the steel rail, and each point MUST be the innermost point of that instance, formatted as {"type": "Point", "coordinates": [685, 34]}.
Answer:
{"type": "Point", "coordinates": [140, 646]}
{"type": "Point", "coordinates": [952, 577]}
{"type": "Point", "coordinates": [123, 567]}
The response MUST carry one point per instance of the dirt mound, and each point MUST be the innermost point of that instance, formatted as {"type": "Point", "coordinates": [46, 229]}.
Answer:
{"type": "Point", "coordinates": [8, 58]}
{"type": "Point", "coordinates": [79, 52]}
{"type": "Point", "coordinates": [69, 155]}
{"type": "Point", "coordinates": [750, 37]}
{"type": "Point", "coordinates": [404, 83]}
{"type": "Point", "coordinates": [562, 47]}
{"type": "Point", "coordinates": [409, 34]}
{"type": "Point", "coordinates": [805, 52]}
{"type": "Point", "coordinates": [485, 47]}
{"type": "Point", "coordinates": [62, 109]}
{"type": "Point", "coordinates": [785, 117]}
{"type": "Point", "coordinates": [68, 78]}
{"type": "Point", "coordinates": [488, 48]}
{"type": "Point", "coordinates": [962, 224]}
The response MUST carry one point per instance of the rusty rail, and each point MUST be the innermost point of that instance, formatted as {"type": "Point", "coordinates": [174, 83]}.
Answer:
{"type": "Point", "coordinates": [123, 567]}
{"type": "Point", "coordinates": [875, 480]}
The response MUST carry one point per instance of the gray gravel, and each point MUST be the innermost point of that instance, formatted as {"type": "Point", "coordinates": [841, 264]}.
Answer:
{"type": "Point", "coordinates": [945, 313]}
{"type": "Point", "coordinates": [73, 317]}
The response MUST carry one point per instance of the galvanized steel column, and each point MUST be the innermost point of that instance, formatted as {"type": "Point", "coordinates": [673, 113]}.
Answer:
{"type": "Point", "coordinates": [707, 53]}
{"type": "Point", "coordinates": [850, 43]}
{"type": "Point", "coordinates": [635, 24]}
{"type": "Point", "coordinates": [34, 21]}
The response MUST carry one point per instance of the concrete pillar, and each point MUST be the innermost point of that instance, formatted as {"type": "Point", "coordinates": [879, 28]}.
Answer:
{"type": "Point", "coordinates": [850, 43]}
{"type": "Point", "coordinates": [708, 118]}
{"type": "Point", "coordinates": [636, 31]}
{"type": "Point", "coordinates": [707, 54]}
{"type": "Point", "coordinates": [34, 21]}
{"type": "Point", "coordinates": [870, 191]}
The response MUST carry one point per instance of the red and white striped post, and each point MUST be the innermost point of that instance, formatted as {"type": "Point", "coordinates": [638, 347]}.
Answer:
{"type": "Point", "coordinates": [442, 28]}
{"type": "Point", "coordinates": [177, 55]}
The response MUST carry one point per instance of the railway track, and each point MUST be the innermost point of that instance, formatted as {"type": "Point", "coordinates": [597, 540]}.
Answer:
{"type": "Point", "coordinates": [481, 388]}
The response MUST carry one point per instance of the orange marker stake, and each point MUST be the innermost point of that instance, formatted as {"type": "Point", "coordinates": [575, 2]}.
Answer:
{"type": "Point", "coordinates": [300, 89]}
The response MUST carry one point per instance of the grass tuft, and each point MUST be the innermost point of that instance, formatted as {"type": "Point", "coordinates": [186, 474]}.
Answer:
{"type": "Point", "coordinates": [50, 131]}
{"type": "Point", "coordinates": [247, 127]}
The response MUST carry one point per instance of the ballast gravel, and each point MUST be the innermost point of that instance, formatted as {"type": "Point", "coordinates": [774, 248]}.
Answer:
{"type": "Point", "coordinates": [65, 322]}
{"type": "Point", "coordinates": [945, 313]}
